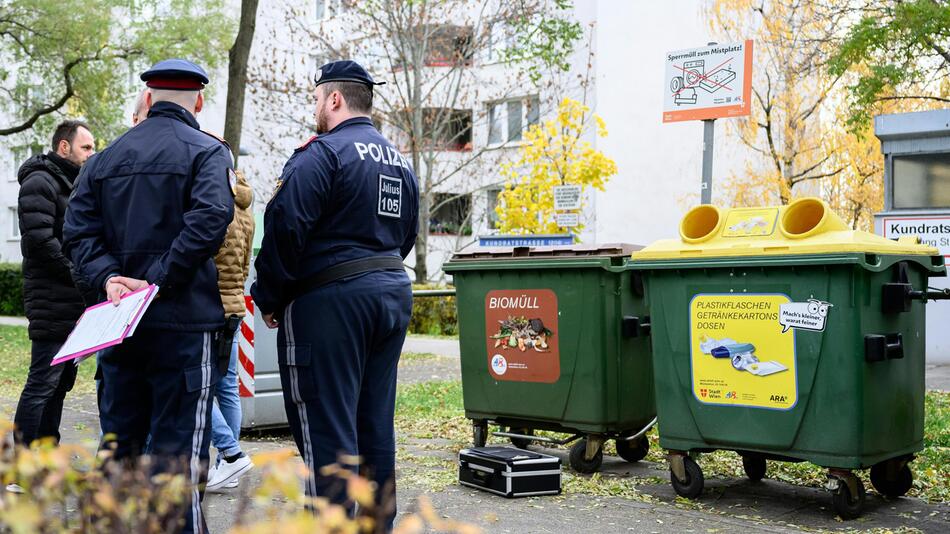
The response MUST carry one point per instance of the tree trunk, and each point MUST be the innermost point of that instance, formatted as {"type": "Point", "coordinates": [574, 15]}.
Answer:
{"type": "Point", "coordinates": [422, 238]}
{"type": "Point", "coordinates": [237, 76]}
{"type": "Point", "coordinates": [416, 144]}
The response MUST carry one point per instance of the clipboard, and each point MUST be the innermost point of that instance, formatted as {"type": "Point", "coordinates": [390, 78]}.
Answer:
{"type": "Point", "coordinates": [105, 325]}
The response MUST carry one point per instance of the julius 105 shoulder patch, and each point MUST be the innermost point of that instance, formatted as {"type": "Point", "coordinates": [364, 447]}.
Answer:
{"type": "Point", "coordinates": [390, 196]}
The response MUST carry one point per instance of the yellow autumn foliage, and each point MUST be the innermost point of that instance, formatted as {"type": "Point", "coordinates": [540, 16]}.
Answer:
{"type": "Point", "coordinates": [553, 153]}
{"type": "Point", "coordinates": [797, 138]}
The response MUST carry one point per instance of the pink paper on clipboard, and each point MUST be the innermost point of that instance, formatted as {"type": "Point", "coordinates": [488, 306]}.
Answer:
{"type": "Point", "coordinates": [106, 324]}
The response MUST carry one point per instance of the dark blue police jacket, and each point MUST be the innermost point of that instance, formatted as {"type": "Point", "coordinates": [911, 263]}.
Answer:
{"type": "Point", "coordinates": [155, 205]}
{"type": "Point", "coordinates": [346, 195]}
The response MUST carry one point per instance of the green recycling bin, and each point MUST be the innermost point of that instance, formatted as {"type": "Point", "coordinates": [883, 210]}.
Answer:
{"type": "Point", "coordinates": [781, 334]}
{"type": "Point", "coordinates": [555, 338]}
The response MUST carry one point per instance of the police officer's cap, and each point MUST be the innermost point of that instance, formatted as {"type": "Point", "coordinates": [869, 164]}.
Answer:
{"type": "Point", "coordinates": [177, 74]}
{"type": "Point", "coordinates": [344, 71]}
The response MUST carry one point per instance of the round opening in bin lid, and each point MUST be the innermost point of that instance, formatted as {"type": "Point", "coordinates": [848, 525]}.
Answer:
{"type": "Point", "coordinates": [700, 223]}
{"type": "Point", "coordinates": [809, 216]}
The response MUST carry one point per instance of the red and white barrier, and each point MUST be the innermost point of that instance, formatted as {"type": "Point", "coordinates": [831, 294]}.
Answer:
{"type": "Point", "coordinates": [246, 351]}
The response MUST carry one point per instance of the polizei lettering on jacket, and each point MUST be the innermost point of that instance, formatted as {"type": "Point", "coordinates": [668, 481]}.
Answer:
{"type": "Point", "coordinates": [381, 154]}
{"type": "Point", "coordinates": [513, 303]}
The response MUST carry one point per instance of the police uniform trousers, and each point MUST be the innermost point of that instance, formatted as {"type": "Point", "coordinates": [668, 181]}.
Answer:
{"type": "Point", "coordinates": [160, 383]}
{"type": "Point", "coordinates": [338, 348]}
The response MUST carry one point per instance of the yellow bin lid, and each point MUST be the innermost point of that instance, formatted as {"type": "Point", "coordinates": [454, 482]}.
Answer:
{"type": "Point", "coordinates": [805, 226]}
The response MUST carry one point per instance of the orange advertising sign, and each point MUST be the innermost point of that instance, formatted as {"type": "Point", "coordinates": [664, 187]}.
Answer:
{"type": "Point", "coordinates": [522, 335]}
{"type": "Point", "coordinates": [711, 82]}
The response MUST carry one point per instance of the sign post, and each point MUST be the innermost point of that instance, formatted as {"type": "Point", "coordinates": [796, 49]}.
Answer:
{"type": "Point", "coordinates": [705, 84]}
{"type": "Point", "coordinates": [709, 134]}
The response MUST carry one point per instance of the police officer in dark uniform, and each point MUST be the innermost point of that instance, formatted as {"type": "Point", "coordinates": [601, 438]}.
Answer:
{"type": "Point", "coordinates": [330, 274]}
{"type": "Point", "coordinates": [153, 208]}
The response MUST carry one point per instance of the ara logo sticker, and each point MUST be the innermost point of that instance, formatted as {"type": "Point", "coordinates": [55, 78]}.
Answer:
{"type": "Point", "coordinates": [499, 364]}
{"type": "Point", "coordinates": [390, 196]}
{"type": "Point", "coordinates": [809, 315]}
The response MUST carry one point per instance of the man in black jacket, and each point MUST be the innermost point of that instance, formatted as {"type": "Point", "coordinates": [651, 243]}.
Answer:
{"type": "Point", "coordinates": [53, 304]}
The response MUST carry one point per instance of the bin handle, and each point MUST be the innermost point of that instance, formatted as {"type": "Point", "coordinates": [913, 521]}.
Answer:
{"type": "Point", "coordinates": [642, 431]}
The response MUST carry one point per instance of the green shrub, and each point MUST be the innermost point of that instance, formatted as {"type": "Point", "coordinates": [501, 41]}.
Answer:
{"type": "Point", "coordinates": [433, 315]}
{"type": "Point", "coordinates": [11, 289]}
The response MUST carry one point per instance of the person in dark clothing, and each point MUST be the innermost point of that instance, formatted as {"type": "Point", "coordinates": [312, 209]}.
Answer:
{"type": "Point", "coordinates": [153, 208]}
{"type": "Point", "coordinates": [330, 274]}
{"type": "Point", "coordinates": [53, 303]}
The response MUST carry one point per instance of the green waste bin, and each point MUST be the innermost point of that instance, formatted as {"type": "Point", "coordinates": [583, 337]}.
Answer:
{"type": "Point", "coordinates": [555, 338]}
{"type": "Point", "coordinates": [781, 334]}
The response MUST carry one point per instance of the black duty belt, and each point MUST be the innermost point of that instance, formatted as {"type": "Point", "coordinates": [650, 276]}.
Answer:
{"type": "Point", "coordinates": [347, 269]}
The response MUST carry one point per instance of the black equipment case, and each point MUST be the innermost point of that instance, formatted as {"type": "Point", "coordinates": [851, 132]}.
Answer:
{"type": "Point", "coordinates": [510, 472]}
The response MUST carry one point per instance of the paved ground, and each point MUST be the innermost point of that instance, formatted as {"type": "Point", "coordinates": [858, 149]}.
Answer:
{"type": "Point", "coordinates": [727, 505]}
{"type": "Point", "coordinates": [443, 346]}
{"type": "Point", "coordinates": [938, 377]}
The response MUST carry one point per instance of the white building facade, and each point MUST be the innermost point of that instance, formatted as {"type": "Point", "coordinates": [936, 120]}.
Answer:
{"type": "Point", "coordinates": [658, 164]}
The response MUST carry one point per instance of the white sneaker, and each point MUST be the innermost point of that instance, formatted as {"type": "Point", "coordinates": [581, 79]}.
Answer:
{"type": "Point", "coordinates": [14, 488]}
{"type": "Point", "coordinates": [233, 484]}
{"type": "Point", "coordinates": [226, 472]}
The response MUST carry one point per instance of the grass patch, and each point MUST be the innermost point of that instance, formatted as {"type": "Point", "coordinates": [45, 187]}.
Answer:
{"type": "Point", "coordinates": [434, 411]}
{"type": "Point", "coordinates": [408, 357]}
{"type": "Point", "coordinates": [15, 364]}
{"type": "Point", "coordinates": [931, 468]}
{"type": "Point", "coordinates": [449, 337]}
{"type": "Point", "coordinates": [430, 411]}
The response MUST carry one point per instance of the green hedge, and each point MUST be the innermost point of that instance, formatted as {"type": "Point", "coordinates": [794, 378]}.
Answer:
{"type": "Point", "coordinates": [11, 289]}
{"type": "Point", "coordinates": [433, 315]}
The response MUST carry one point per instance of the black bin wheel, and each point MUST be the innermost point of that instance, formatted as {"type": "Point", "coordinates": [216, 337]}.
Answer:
{"type": "Point", "coordinates": [891, 488]}
{"type": "Point", "coordinates": [582, 465]}
{"type": "Point", "coordinates": [849, 506]}
{"type": "Point", "coordinates": [692, 487]}
{"type": "Point", "coordinates": [521, 443]}
{"type": "Point", "coordinates": [479, 434]}
{"type": "Point", "coordinates": [634, 450]}
{"type": "Point", "coordinates": [754, 467]}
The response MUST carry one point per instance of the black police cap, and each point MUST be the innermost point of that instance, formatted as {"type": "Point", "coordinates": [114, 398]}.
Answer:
{"type": "Point", "coordinates": [344, 71]}
{"type": "Point", "coordinates": [179, 74]}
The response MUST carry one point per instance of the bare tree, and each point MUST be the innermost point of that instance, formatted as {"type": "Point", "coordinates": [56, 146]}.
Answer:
{"type": "Point", "coordinates": [237, 76]}
{"type": "Point", "coordinates": [446, 63]}
{"type": "Point", "coordinates": [790, 92]}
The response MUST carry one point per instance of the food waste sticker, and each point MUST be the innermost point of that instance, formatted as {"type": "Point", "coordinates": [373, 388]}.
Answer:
{"type": "Point", "coordinates": [522, 335]}
{"type": "Point", "coordinates": [740, 355]}
{"type": "Point", "coordinates": [809, 315]}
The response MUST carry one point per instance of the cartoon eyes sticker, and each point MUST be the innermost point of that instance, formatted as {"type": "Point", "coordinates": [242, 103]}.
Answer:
{"type": "Point", "coordinates": [819, 308]}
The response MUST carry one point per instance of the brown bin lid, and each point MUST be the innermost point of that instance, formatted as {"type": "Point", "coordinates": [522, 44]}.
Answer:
{"type": "Point", "coordinates": [560, 251]}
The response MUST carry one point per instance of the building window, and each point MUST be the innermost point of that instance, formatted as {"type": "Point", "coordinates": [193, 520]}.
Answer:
{"type": "Point", "coordinates": [451, 214]}
{"type": "Point", "coordinates": [491, 215]}
{"type": "Point", "coordinates": [500, 38]}
{"type": "Point", "coordinates": [20, 155]}
{"type": "Point", "coordinates": [508, 119]}
{"type": "Point", "coordinates": [327, 9]}
{"type": "Point", "coordinates": [921, 181]}
{"type": "Point", "coordinates": [14, 223]}
{"type": "Point", "coordinates": [449, 46]}
{"type": "Point", "coordinates": [442, 128]}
